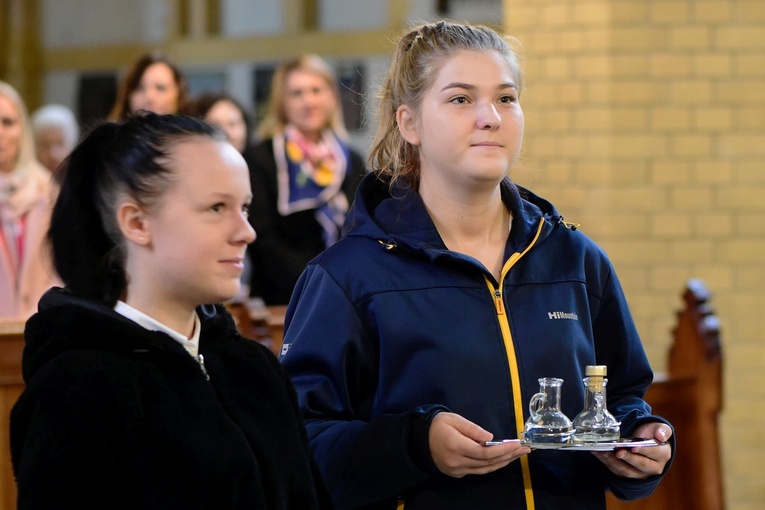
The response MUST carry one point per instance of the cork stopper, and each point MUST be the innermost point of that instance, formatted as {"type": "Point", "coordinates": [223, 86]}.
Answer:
{"type": "Point", "coordinates": [595, 371]}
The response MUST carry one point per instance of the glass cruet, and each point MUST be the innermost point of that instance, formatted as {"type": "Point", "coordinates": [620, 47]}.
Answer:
{"type": "Point", "coordinates": [595, 423]}
{"type": "Point", "coordinates": [547, 423]}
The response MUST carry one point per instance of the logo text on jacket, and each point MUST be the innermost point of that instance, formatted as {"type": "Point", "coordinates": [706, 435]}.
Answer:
{"type": "Point", "coordinates": [562, 315]}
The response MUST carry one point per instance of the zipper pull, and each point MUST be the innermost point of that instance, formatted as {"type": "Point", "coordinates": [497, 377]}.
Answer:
{"type": "Point", "coordinates": [201, 360]}
{"type": "Point", "coordinates": [498, 303]}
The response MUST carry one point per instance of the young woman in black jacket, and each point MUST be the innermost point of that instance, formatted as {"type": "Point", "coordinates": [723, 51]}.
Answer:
{"type": "Point", "coordinates": [140, 393]}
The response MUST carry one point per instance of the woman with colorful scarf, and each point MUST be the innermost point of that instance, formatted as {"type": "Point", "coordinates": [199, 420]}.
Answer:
{"type": "Point", "coordinates": [303, 175]}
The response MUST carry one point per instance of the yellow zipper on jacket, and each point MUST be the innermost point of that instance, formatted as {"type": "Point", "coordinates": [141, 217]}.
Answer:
{"type": "Point", "coordinates": [513, 365]}
{"type": "Point", "coordinates": [512, 361]}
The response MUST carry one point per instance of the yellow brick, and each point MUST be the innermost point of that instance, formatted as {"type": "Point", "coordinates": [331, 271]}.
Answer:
{"type": "Point", "coordinates": [630, 199]}
{"type": "Point", "coordinates": [747, 277]}
{"type": "Point", "coordinates": [592, 13]}
{"type": "Point", "coordinates": [671, 225]}
{"type": "Point", "coordinates": [668, 278]}
{"type": "Point", "coordinates": [636, 39]}
{"type": "Point", "coordinates": [750, 64]}
{"type": "Point", "coordinates": [691, 199]}
{"type": "Point", "coordinates": [588, 119]}
{"type": "Point", "coordinates": [742, 198]}
{"type": "Point", "coordinates": [637, 92]}
{"type": "Point", "coordinates": [597, 39]}
{"type": "Point", "coordinates": [712, 65]}
{"type": "Point", "coordinates": [630, 12]}
{"type": "Point", "coordinates": [748, 11]}
{"type": "Point", "coordinates": [713, 119]}
{"type": "Point", "coordinates": [671, 172]}
{"type": "Point", "coordinates": [571, 41]}
{"type": "Point", "coordinates": [715, 11]}
{"type": "Point", "coordinates": [556, 120]}
{"type": "Point", "coordinates": [736, 251]}
{"type": "Point", "coordinates": [555, 14]}
{"type": "Point", "coordinates": [713, 224]}
{"type": "Point", "coordinates": [748, 172]}
{"type": "Point", "coordinates": [713, 171]}
{"type": "Point", "coordinates": [518, 16]}
{"type": "Point", "coordinates": [636, 251]}
{"type": "Point", "coordinates": [630, 65]}
{"type": "Point", "coordinates": [748, 118]}
{"type": "Point", "coordinates": [716, 277]}
{"type": "Point", "coordinates": [670, 119]}
{"type": "Point", "coordinates": [740, 38]}
{"type": "Point", "coordinates": [666, 64]}
{"type": "Point", "coordinates": [557, 67]}
{"type": "Point", "coordinates": [592, 66]}
{"type": "Point", "coordinates": [748, 92]}
{"type": "Point", "coordinates": [692, 251]}
{"type": "Point", "coordinates": [690, 92]}
{"type": "Point", "coordinates": [691, 145]}
{"type": "Point", "coordinates": [629, 119]}
{"type": "Point", "coordinates": [640, 146]}
{"type": "Point", "coordinates": [742, 145]}
{"type": "Point", "coordinates": [689, 38]}
{"type": "Point", "coordinates": [669, 12]}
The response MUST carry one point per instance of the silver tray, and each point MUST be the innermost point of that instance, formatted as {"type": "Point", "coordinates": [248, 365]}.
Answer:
{"type": "Point", "coordinates": [605, 446]}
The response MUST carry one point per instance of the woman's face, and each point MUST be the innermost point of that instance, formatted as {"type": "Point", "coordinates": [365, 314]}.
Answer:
{"type": "Point", "coordinates": [10, 135]}
{"type": "Point", "coordinates": [309, 102]}
{"type": "Point", "coordinates": [227, 116]}
{"type": "Point", "coordinates": [469, 127]}
{"type": "Point", "coordinates": [157, 91]}
{"type": "Point", "coordinates": [198, 232]}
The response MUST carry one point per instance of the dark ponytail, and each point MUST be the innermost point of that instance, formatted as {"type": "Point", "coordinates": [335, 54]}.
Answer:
{"type": "Point", "coordinates": [111, 163]}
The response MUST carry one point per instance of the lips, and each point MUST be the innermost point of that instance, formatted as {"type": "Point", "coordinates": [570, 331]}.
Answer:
{"type": "Point", "coordinates": [487, 144]}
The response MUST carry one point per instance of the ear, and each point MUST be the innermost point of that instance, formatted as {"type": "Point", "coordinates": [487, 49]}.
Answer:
{"type": "Point", "coordinates": [407, 125]}
{"type": "Point", "coordinates": [134, 223]}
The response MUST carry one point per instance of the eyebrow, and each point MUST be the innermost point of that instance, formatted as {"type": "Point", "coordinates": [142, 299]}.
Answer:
{"type": "Point", "coordinates": [468, 86]}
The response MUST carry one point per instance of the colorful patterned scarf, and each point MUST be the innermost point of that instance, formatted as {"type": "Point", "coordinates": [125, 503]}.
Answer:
{"type": "Point", "coordinates": [310, 176]}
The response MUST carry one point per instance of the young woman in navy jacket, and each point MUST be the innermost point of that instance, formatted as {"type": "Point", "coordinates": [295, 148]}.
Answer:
{"type": "Point", "coordinates": [422, 333]}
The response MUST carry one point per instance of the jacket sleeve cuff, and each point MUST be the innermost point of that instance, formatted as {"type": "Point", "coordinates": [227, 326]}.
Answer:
{"type": "Point", "coordinates": [419, 445]}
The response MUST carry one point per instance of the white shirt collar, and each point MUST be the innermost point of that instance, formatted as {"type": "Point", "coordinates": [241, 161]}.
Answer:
{"type": "Point", "coordinates": [190, 344]}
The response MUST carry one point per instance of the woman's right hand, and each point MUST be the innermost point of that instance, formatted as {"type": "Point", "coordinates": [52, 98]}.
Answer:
{"type": "Point", "coordinates": [458, 447]}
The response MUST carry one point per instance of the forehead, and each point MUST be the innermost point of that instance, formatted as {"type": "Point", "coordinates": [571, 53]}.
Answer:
{"type": "Point", "coordinates": [475, 68]}
{"type": "Point", "coordinates": [158, 71]}
{"type": "Point", "coordinates": [304, 78]}
{"type": "Point", "coordinates": [7, 107]}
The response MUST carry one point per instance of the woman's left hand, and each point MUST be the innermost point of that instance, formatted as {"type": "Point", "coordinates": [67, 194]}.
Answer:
{"type": "Point", "coordinates": [641, 462]}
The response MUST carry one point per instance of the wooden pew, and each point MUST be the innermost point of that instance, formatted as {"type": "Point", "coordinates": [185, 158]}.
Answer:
{"type": "Point", "coordinates": [11, 386]}
{"type": "Point", "coordinates": [689, 395]}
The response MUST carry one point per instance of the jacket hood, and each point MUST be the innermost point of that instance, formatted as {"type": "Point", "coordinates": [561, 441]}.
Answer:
{"type": "Point", "coordinates": [65, 323]}
{"type": "Point", "coordinates": [396, 217]}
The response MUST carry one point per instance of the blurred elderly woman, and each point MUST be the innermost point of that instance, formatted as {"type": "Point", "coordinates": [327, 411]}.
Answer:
{"type": "Point", "coordinates": [55, 131]}
{"type": "Point", "coordinates": [26, 271]}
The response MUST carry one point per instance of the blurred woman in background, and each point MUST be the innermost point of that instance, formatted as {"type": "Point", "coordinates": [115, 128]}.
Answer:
{"type": "Point", "coordinates": [304, 176]}
{"type": "Point", "coordinates": [55, 131]}
{"type": "Point", "coordinates": [153, 84]}
{"type": "Point", "coordinates": [26, 271]}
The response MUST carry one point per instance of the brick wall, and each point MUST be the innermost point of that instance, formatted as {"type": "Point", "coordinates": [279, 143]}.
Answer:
{"type": "Point", "coordinates": [645, 122]}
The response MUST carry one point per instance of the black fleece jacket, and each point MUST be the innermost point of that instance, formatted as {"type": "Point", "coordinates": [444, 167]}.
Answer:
{"type": "Point", "coordinates": [116, 416]}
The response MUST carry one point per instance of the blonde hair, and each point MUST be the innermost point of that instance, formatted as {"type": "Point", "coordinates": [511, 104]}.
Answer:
{"type": "Point", "coordinates": [26, 161]}
{"type": "Point", "coordinates": [276, 119]}
{"type": "Point", "coordinates": [413, 69]}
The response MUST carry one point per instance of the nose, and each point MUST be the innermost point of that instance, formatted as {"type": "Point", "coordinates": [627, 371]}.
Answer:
{"type": "Point", "coordinates": [488, 116]}
{"type": "Point", "coordinates": [244, 231]}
